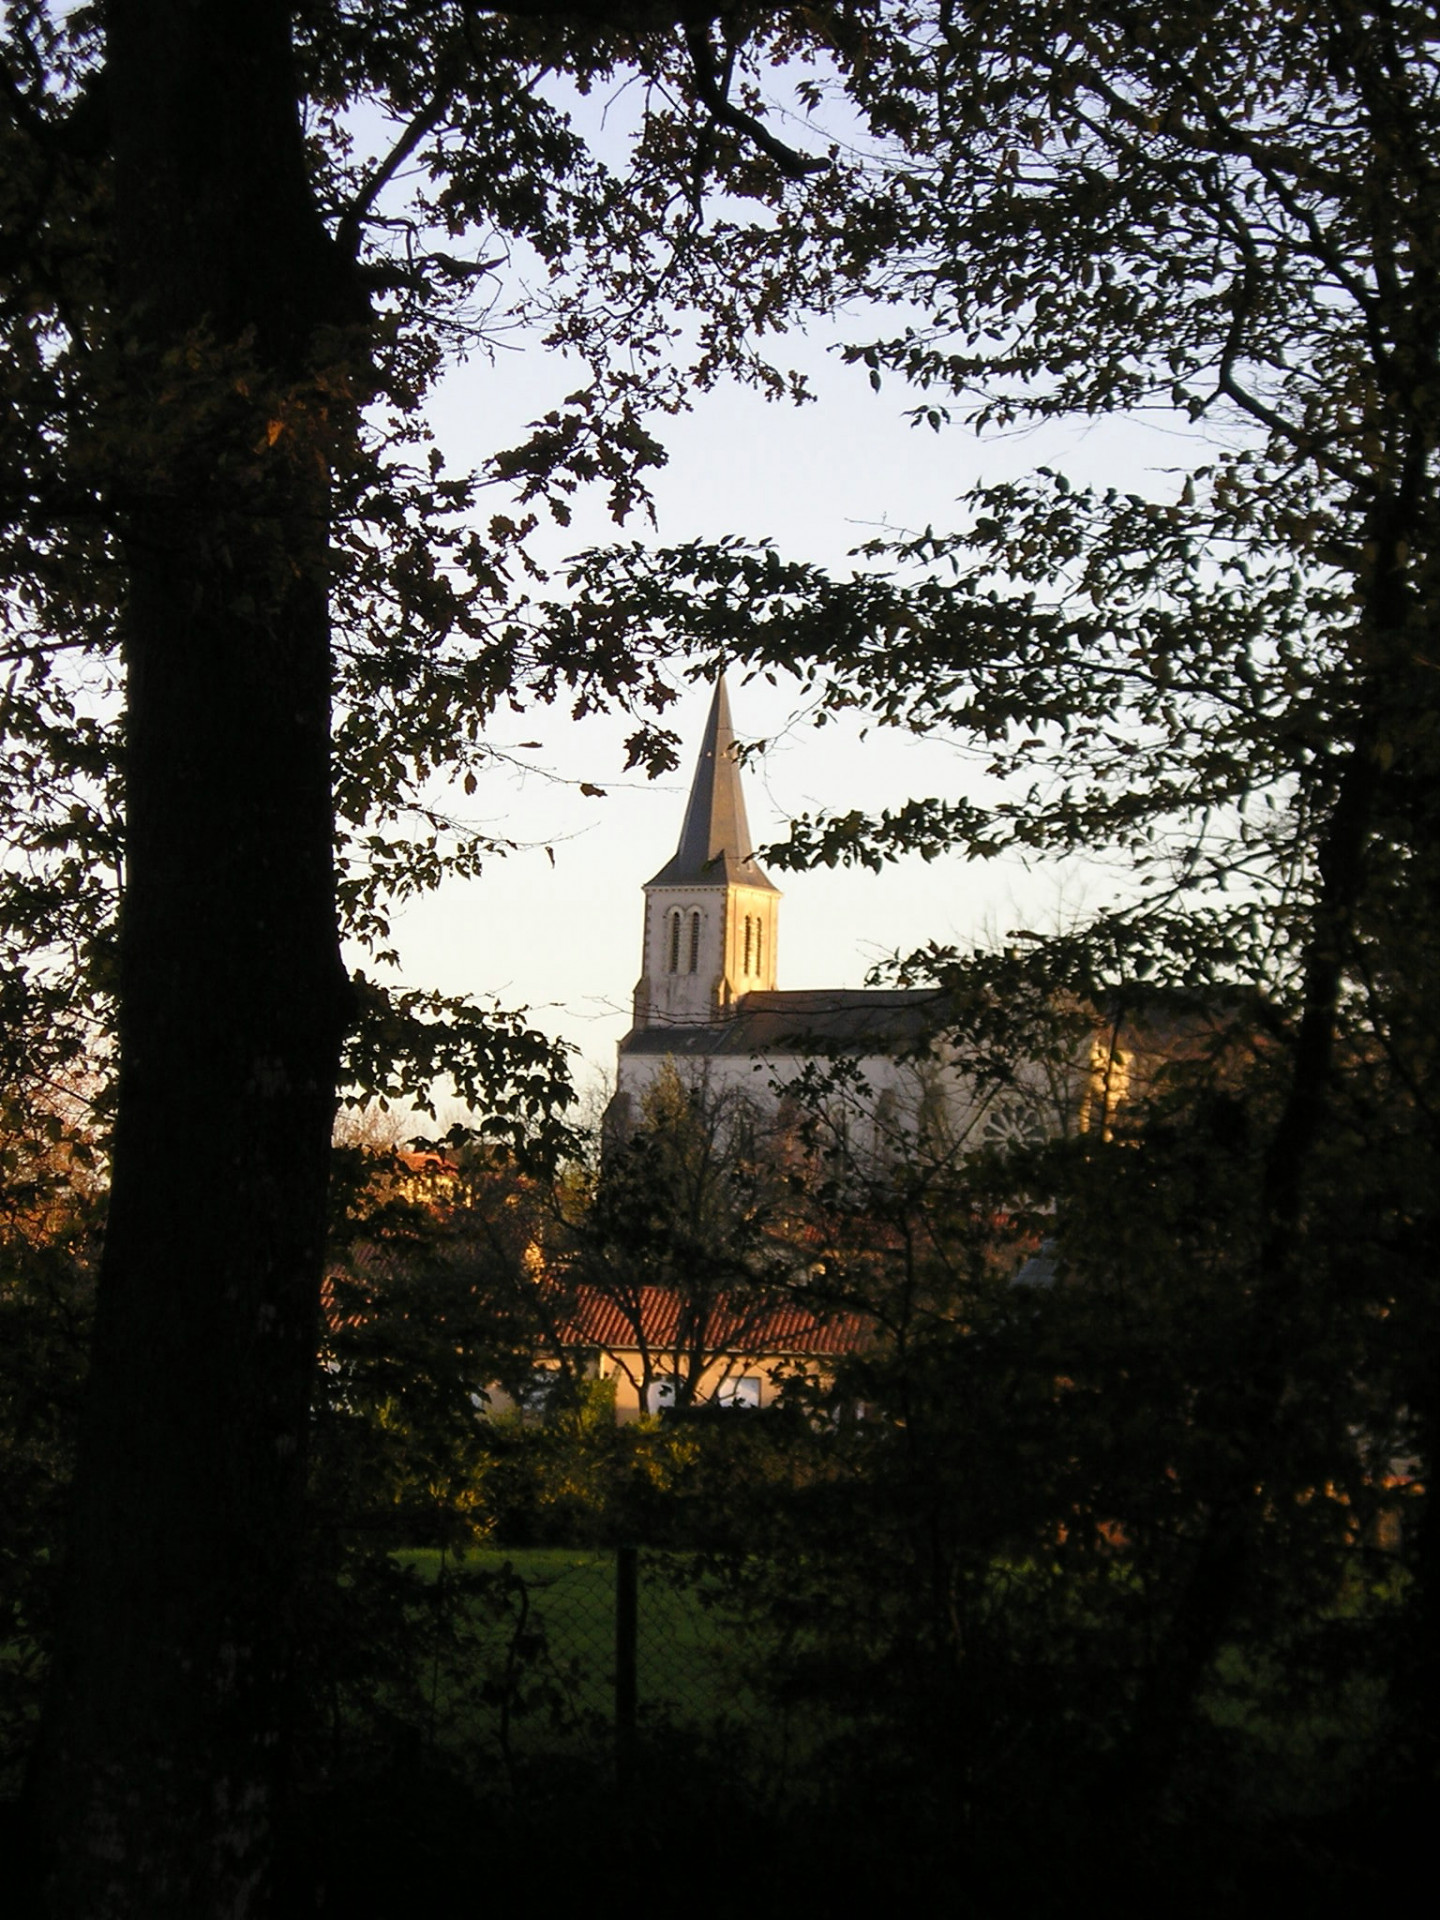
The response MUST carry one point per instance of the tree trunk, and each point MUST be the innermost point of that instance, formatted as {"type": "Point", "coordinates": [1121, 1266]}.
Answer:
{"type": "Point", "coordinates": [162, 1744]}
{"type": "Point", "coordinates": [1212, 1595]}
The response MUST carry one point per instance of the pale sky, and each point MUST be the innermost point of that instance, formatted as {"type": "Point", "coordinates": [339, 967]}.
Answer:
{"type": "Point", "coordinates": [563, 938]}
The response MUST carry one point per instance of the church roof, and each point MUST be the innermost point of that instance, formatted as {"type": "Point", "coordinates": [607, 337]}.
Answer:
{"type": "Point", "coordinates": [715, 847]}
{"type": "Point", "coordinates": [815, 1020]}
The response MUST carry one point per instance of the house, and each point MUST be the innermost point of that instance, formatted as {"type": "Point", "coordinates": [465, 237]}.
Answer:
{"type": "Point", "coordinates": [662, 1353]}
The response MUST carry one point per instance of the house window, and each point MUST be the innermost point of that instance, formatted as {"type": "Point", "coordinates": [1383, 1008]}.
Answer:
{"type": "Point", "coordinates": [743, 1391]}
{"type": "Point", "coordinates": [539, 1393]}
{"type": "Point", "coordinates": [673, 963]}
{"type": "Point", "coordinates": [694, 943]}
{"type": "Point", "coordinates": [660, 1393]}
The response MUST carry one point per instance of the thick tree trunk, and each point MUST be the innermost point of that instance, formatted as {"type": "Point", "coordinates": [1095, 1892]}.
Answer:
{"type": "Point", "coordinates": [163, 1739]}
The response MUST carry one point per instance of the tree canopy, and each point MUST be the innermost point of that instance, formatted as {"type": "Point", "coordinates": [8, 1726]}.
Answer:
{"type": "Point", "coordinates": [239, 243]}
{"type": "Point", "coordinates": [1197, 217]}
{"type": "Point", "coordinates": [455, 196]}
{"type": "Point", "coordinates": [1222, 675]}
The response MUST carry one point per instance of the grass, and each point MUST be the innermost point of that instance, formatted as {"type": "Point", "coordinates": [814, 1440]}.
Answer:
{"type": "Point", "coordinates": [690, 1665]}
{"type": "Point", "coordinates": [529, 1684]}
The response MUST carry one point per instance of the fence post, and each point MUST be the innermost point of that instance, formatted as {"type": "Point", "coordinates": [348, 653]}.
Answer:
{"type": "Point", "coordinates": [627, 1618]}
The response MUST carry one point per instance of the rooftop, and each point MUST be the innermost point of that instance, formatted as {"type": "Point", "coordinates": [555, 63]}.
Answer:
{"type": "Point", "coordinates": [813, 1020]}
{"type": "Point", "coordinates": [715, 847]}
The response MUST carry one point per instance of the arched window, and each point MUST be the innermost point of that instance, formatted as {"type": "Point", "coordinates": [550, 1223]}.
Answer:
{"type": "Point", "coordinates": [749, 937]}
{"type": "Point", "coordinates": [673, 962]}
{"type": "Point", "coordinates": [759, 944]}
{"type": "Point", "coordinates": [694, 943]}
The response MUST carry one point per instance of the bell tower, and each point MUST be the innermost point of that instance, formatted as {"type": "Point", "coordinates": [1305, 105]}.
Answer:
{"type": "Point", "coordinates": [711, 912]}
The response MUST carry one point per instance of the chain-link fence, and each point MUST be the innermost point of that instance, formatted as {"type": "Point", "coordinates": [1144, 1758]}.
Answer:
{"type": "Point", "coordinates": [591, 1652]}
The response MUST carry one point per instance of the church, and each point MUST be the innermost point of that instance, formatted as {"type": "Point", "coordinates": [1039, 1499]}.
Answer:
{"type": "Point", "coordinates": [708, 1003]}
{"type": "Point", "coordinates": [887, 1071]}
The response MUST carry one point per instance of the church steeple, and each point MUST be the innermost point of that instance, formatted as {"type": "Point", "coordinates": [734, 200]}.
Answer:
{"type": "Point", "coordinates": [715, 846]}
{"type": "Point", "coordinates": [711, 911]}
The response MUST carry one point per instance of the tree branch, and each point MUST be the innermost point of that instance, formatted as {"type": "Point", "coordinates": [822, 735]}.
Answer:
{"type": "Point", "coordinates": [348, 230]}
{"type": "Point", "coordinates": [710, 86]}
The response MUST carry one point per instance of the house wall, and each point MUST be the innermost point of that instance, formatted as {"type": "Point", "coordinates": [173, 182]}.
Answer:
{"type": "Point", "coordinates": [751, 1380]}
{"type": "Point", "coordinates": [723, 1380]}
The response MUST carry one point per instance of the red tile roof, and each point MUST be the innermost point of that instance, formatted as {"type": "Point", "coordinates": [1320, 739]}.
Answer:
{"type": "Point", "coordinates": [657, 1313]}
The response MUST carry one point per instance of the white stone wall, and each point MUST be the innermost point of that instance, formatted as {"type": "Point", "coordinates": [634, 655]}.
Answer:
{"type": "Point", "coordinates": [878, 1104]}
{"type": "Point", "coordinates": [710, 973]}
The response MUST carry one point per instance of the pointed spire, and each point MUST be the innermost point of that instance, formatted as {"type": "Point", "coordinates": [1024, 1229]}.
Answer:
{"type": "Point", "coordinates": [715, 848]}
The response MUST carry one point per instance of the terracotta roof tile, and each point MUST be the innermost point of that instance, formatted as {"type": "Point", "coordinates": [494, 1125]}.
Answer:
{"type": "Point", "coordinates": [599, 1320]}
